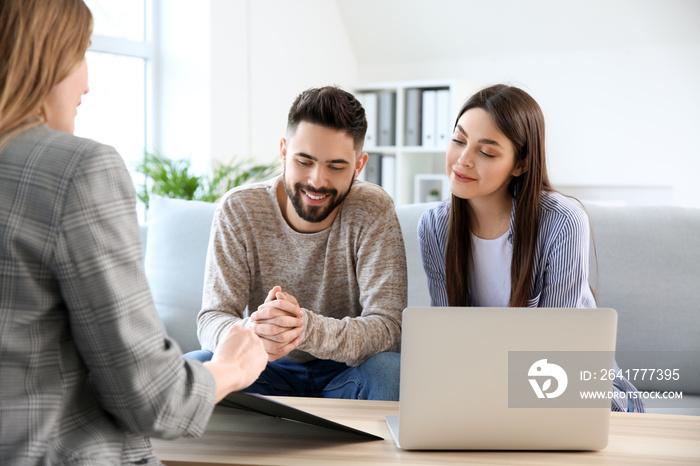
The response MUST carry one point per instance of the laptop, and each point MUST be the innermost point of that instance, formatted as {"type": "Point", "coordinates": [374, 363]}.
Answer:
{"type": "Point", "coordinates": [505, 379]}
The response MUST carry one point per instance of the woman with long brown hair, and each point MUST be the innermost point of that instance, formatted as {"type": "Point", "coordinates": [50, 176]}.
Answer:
{"type": "Point", "coordinates": [86, 371]}
{"type": "Point", "coordinates": [506, 238]}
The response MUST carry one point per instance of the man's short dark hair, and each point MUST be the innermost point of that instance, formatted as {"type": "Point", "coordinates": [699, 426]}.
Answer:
{"type": "Point", "coordinates": [331, 107]}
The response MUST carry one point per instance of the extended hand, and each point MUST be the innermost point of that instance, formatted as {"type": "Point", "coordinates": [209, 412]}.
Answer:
{"type": "Point", "coordinates": [238, 360]}
{"type": "Point", "coordinates": [279, 323]}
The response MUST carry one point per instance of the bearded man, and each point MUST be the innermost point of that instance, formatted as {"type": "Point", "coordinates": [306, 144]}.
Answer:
{"type": "Point", "coordinates": [313, 261]}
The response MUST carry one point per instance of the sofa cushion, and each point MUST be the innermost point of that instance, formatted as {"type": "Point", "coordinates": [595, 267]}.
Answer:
{"type": "Point", "coordinates": [176, 249]}
{"type": "Point", "coordinates": [409, 214]}
{"type": "Point", "coordinates": [648, 272]}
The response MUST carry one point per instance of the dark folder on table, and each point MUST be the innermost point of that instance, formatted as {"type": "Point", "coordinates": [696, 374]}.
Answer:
{"type": "Point", "coordinates": [262, 405]}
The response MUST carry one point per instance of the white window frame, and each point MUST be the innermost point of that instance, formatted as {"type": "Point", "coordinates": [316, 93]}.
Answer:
{"type": "Point", "coordinates": [146, 50]}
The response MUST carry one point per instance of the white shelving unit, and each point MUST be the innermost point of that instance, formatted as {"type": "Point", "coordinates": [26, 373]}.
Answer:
{"type": "Point", "coordinates": [430, 187]}
{"type": "Point", "coordinates": [407, 161]}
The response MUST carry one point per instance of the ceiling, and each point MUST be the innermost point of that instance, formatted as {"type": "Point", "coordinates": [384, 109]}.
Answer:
{"type": "Point", "coordinates": [418, 30]}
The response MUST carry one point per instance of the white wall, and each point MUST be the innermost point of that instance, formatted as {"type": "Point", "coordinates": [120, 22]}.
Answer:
{"type": "Point", "coordinates": [618, 81]}
{"type": "Point", "coordinates": [183, 101]}
{"type": "Point", "coordinates": [264, 53]}
{"type": "Point", "coordinates": [230, 70]}
{"type": "Point", "coordinates": [625, 117]}
{"type": "Point", "coordinates": [230, 79]}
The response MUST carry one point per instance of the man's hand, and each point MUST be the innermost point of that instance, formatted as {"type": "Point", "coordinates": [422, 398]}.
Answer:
{"type": "Point", "coordinates": [238, 360]}
{"type": "Point", "coordinates": [279, 322]}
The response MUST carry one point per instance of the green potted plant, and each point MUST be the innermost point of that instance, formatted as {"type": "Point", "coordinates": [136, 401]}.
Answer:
{"type": "Point", "coordinates": [433, 195]}
{"type": "Point", "coordinates": [174, 178]}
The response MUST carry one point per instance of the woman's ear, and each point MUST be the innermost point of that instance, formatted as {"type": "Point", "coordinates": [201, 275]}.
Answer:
{"type": "Point", "coordinates": [520, 168]}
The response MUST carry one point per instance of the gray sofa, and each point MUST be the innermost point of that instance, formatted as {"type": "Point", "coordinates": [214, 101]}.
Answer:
{"type": "Point", "coordinates": [647, 270]}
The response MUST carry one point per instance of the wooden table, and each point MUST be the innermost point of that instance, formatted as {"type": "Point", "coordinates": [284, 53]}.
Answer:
{"type": "Point", "coordinates": [237, 437]}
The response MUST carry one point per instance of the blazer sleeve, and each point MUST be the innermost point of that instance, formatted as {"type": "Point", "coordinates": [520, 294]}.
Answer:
{"type": "Point", "coordinates": [138, 373]}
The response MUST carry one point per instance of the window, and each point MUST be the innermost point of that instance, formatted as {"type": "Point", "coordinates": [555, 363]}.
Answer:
{"type": "Point", "coordinates": [120, 65]}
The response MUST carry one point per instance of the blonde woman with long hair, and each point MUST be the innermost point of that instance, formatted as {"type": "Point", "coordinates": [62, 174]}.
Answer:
{"type": "Point", "coordinates": [87, 372]}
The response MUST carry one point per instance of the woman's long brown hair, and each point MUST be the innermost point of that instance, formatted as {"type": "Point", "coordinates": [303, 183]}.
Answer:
{"type": "Point", "coordinates": [41, 43]}
{"type": "Point", "coordinates": [520, 119]}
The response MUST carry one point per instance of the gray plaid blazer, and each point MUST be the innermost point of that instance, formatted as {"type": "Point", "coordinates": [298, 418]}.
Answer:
{"type": "Point", "coordinates": [86, 371]}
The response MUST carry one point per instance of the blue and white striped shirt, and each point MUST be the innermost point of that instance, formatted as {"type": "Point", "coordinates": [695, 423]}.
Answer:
{"type": "Point", "coordinates": [560, 272]}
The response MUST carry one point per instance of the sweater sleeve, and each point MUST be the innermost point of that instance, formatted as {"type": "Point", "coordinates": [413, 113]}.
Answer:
{"type": "Point", "coordinates": [381, 275]}
{"type": "Point", "coordinates": [138, 373]}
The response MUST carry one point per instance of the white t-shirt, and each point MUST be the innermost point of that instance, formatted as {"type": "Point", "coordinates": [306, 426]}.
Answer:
{"type": "Point", "coordinates": [489, 278]}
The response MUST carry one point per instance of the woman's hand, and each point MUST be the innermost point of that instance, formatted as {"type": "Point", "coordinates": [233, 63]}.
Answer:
{"type": "Point", "coordinates": [238, 360]}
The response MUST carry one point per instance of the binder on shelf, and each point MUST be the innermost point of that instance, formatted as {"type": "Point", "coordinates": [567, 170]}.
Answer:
{"type": "Point", "coordinates": [413, 127]}
{"type": "Point", "coordinates": [373, 169]}
{"type": "Point", "coordinates": [442, 117]}
{"type": "Point", "coordinates": [428, 126]}
{"type": "Point", "coordinates": [413, 118]}
{"type": "Point", "coordinates": [389, 175]}
{"type": "Point", "coordinates": [387, 118]}
{"type": "Point", "coordinates": [369, 103]}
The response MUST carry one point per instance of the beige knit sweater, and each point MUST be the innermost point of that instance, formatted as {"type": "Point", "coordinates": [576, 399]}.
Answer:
{"type": "Point", "coordinates": [350, 279]}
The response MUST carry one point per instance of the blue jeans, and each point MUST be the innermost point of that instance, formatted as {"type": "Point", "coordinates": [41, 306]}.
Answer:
{"type": "Point", "coordinates": [377, 378]}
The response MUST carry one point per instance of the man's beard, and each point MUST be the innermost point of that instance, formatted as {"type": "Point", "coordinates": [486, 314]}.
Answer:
{"type": "Point", "coordinates": [309, 213]}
